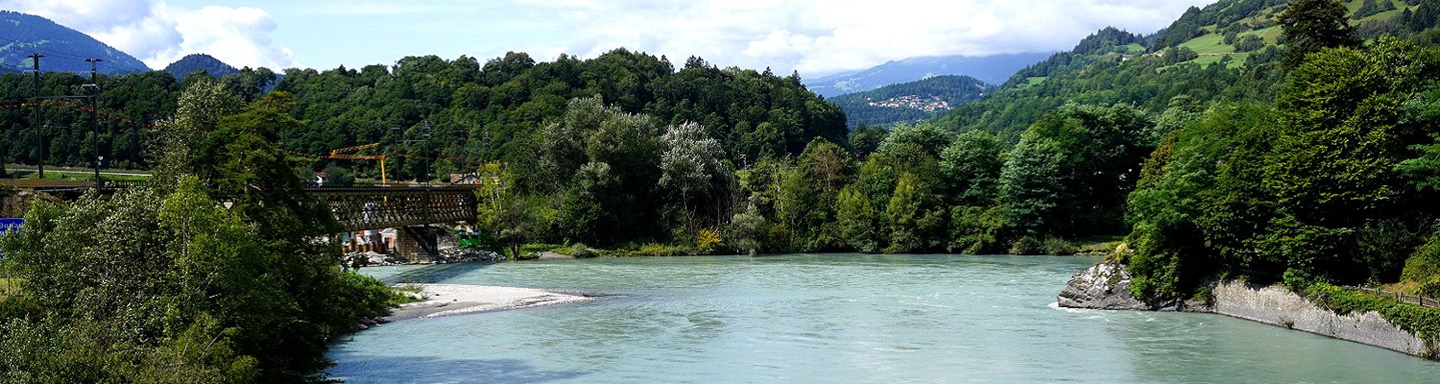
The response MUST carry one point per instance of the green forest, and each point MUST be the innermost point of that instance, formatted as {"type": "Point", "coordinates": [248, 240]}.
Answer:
{"type": "Point", "coordinates": [1288, 141]}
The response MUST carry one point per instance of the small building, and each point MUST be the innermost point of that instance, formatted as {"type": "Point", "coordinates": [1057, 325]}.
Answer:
{"type": "Point", "coordinates": [464, 178]}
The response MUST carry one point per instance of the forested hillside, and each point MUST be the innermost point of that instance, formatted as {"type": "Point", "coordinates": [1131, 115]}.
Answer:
{"type": "Point", "coordinates": [1227, 51]}
{"type": "Point", "coordinates": [198, 62]}
{"type": "Point", "coordinates": [1331, 182]}
{"type": "Point", "coordinates": [909, 102]}
{"type": "Point", "coordinates": [65, 49]}
{"type": "Point", "coordinates": [626, 148]}
{"type": "Point", "coordinates": [1293, 141]}
{"type": "Point", "coordinates": [131, 107]}
{"type": "Point", "coordinates": [490, 111]}
{"type": "Point", "coordinates": [993, 69]}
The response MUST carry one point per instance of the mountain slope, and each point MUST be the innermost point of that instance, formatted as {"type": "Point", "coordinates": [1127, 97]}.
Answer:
{"type": "Point", "coordinates": [199, 61]}
{"type": "Point", "coordinates": [989, 69]}
{"type": "Point", "coordinates": [909, 102]}
{"type": "Point", "coordinates": [1173, 68]}
{"type": "Point", "coordinates": [65, 49]}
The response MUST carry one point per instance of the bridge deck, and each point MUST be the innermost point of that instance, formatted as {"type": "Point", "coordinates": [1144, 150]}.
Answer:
{"type": "Point", "coordinates": [381, 207]}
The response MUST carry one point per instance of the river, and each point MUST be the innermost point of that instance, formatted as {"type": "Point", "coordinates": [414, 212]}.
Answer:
{"type": "Point", "coordinates": [834, 319]}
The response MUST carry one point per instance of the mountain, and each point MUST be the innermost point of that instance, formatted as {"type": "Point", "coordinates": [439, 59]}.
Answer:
{"type": "Point", "coordinates": [909, 102]}
{"type": "Point", "coordinates": [989, 69]}
{"type": "Point", "coordinates": [199, 61]}
{"type": "Point", "coordinates": [1226, 51]}
{"type": "Point", "coordinates": [65, 49]}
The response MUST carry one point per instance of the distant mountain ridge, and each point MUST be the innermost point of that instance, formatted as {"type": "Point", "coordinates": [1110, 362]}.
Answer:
{"type": "Point", "coordinates": [909, 102]}
{"type": "Point", "coordinates": [65, 49]}
{"type": "Point", "coordinates": [199, 61]}
{"type": "Point", "coordinates": [994, 69]}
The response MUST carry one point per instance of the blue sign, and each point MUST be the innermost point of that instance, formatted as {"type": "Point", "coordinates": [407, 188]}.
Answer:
{"type": "Point", "coordinates": [10, 224]}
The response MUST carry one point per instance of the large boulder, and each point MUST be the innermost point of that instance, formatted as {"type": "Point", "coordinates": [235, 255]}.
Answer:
{"type": "Point", "coordinates": [1103, 286]}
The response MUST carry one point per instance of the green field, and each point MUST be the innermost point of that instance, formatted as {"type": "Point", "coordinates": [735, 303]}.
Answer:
{"type": "Point", "coordinates": [1353, 6]}
{"type": "Point", "coordinates": [1237, 60]}
{"type": "Point", "coordinates": [73, 173]}
{"type": "Point", "coordinates": [1209, 44]}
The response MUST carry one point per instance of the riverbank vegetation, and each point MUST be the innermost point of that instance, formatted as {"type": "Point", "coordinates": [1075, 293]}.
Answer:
{"type": "Point", "coordinates": [165, 284]}
{"type": "Point", "coordinates": [1314, 162]}
{"type": "Point", "coordinates": [1332, 182]}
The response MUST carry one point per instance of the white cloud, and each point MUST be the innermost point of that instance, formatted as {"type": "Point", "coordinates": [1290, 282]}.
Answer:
{"type": "Point", "coordinates": [159, 34]}
{"type": "Point", "coordinates": [818, 37]}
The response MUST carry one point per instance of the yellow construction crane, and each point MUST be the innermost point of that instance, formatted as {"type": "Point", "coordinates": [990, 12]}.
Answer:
{"type": "Point", "coordinates": [344, 154]}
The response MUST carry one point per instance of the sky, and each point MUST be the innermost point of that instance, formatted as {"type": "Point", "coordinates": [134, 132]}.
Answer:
{"type": "Point", "coordinates": [812, 37]}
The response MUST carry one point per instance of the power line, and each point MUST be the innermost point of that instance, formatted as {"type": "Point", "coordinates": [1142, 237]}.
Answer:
{"type": "Point", "coordinates": [70, 56]}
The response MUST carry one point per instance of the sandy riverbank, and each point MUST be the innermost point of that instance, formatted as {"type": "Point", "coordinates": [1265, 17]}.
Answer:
{"type": "Point", "coordinates": [458, 299]}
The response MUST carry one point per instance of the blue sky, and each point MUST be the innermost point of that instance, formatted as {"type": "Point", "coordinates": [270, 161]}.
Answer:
{"type": "Point", "coordinates": [814, 37]}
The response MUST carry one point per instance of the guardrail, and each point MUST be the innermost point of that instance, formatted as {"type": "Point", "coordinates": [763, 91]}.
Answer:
{"type": "Point", "coordinates": [1401, 297]}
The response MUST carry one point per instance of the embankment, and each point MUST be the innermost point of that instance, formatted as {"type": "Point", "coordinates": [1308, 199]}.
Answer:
{"type": "Point", "coordinates": [1106, 286]}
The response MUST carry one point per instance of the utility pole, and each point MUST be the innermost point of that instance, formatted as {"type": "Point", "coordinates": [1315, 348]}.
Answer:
{"type": "Point", "coordinates": [95, 119]}
{"type": "Point", "coordinates": [35, 58]}
{"type": "Point", "coordinates": [426, 181]}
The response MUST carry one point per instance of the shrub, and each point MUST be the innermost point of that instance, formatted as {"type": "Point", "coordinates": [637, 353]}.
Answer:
{"type": "Point", "coordinates": [1027, 246]}
{"type": "Point", "coordinates": [1424, 264]}
{"type": "Point", "coordinates": [707, 241]}
{"type": "Point", "coordinates": [1297, 280]}
{"type": "Point", "coordinates": [1424, 322]}
{"type": "Point", "coordinates": [1057, 246]}
{"type": "Point", "coordinates": [581, 250]}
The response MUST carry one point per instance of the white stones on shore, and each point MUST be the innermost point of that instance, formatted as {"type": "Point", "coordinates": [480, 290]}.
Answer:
{"type": "Point", "coordinates": [459, 299]}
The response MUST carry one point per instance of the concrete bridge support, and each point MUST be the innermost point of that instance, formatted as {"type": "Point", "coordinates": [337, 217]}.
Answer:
{"type": "Point", "coordinates": [418, 244]}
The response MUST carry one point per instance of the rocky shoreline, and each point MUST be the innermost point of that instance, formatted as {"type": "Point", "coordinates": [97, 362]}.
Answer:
{"type": "Point", "coordinates": [447, 256]}
{"type": "Point", "coordinates": [1106, 286]}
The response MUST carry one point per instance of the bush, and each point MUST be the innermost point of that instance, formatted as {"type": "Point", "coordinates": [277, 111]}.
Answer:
{"type": "Point", "coordinates": [1249, 43]}
{"type": "Point", "coordinates": [707, 241]}
{"type": "Point", "coordinates": [581, 251]}
{"type": "Point", "coordinates": [1424, 322]}
{"type": "Point", "coordinates": [976, 230]}
{"type": "Point", "coordinates": [1058, 246]}
{"type": "Point", "coordinates": [1027, 246]}
{"type": "Point", "coordinates": [1297, 280]}
{"type": "Point", "coordinates": [1424, 264]}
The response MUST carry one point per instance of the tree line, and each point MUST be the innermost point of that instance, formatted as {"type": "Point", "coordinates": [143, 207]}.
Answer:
{"type": "Point", "coordinates": [165, 284]}
{"type": "Point", "coordinates": [1334, 181]}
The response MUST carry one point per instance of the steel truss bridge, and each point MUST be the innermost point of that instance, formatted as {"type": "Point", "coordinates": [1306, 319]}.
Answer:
{"type": "Point", "coordinates": [363, 208]}
{"type": "Point", "coordinates": [356, 208]}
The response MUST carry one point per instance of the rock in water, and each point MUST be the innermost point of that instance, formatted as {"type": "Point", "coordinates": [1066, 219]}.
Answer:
{"type": "Point", "coordinates": [1104, 286]}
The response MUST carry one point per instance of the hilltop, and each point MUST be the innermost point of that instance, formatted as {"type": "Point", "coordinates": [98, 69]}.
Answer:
{"type": "Point", "coordinates": [989, 69]}
{"type": "Point", "coordinates": [197, 62]}
{"type": "Point", "coordinates": [1227, 51]}
{"type": "Point", "coordinates": [909, 102]}
{"type": "Point", "coordinates": [65, 49]}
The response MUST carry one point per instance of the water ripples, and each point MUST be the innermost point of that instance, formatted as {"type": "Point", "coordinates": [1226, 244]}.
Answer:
{"type": "Point", "coordinates": [834, 318]}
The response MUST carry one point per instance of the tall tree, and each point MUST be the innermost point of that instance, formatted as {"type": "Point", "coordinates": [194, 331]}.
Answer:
{"type": "Point", "coordinates": [692, 165]}
{"type": "Point", "coordinates": [971, 166]}
{"type": "Point", "coordinates": [1311, 25]}
{"type": "Point", "coordinates": [1032, 185]}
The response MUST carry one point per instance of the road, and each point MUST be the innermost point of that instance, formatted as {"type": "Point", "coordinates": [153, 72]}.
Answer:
{"type": "Point", "coordinates": [73, 171]}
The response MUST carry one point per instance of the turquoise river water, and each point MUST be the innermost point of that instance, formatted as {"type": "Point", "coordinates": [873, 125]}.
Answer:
{"type": "Point", "coordinates": [834, 319]}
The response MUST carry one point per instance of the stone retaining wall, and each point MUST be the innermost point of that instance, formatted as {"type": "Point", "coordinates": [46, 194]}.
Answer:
{"type": "Point", "coordinates": [1276, 305]}
{"type": "Point", "coordinates": [1103, 287]}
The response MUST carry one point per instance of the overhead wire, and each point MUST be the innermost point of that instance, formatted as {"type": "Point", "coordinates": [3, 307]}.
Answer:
{"type": "Point", "coordinates": [51, 52]}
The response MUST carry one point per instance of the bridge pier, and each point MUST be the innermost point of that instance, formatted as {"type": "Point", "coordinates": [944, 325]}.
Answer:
{"type": "Point", "coordinates": [418, 244]}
